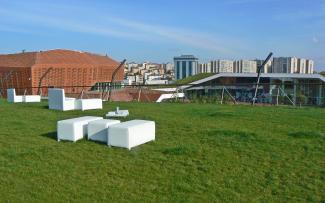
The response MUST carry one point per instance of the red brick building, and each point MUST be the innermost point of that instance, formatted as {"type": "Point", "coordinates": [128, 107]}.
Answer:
{"type": "Point", "coordinates": [55, 68]}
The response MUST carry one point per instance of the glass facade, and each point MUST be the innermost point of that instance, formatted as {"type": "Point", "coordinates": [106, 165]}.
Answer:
{"type": "Point", "coordinates": [190, 69]}
{"type": "Point", "coordinates": [183, 69]}
{"type": "Point", "coordinates": [274, 91]}
{"type": "Point", "coordinates": [178, 70]}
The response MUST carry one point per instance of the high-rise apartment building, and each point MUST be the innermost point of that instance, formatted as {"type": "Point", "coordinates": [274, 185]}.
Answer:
{"type": "Point", "coordinates": [217, 66]}
{"type": "Point", "coordinates": [267, 67]}
{"type": "Point", "coordinates": [309, 66]}
{"type": "Point", "coordinates": [292, 65]}
{"type": "Point", "coordinates": [185, 66]}
{"type": "Point", "coordinates": [245, 66]}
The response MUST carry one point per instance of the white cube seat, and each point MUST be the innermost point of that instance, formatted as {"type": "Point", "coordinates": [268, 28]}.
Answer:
{"type": "Point", "coordinates": [131, 133]}
{"type": "Point", "coordinates": [87, 104]}
{"type": "Point", "coordinates": [32, 98]}
{"type": "Point", "coordinates": [97, 130]}
{"type": "Point", "coordinates": [74, 129]}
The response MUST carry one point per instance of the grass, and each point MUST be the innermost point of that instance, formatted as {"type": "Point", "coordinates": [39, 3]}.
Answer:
{"type": "Point", "coordinates": [202, 153]}
{"type": "Point", "coordinates": [193, 78]}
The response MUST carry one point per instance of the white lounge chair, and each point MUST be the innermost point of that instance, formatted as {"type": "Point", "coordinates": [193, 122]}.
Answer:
{"type": "Point", "coordinates": [12, 97]}
{"type": "Point", "coordinates": [58, 101]}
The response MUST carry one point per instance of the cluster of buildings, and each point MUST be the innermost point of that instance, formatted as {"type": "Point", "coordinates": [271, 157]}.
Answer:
{"type": "Point", "coordinates": [188, 65]}
{"type": "Point", "coordinates": [148, 73]}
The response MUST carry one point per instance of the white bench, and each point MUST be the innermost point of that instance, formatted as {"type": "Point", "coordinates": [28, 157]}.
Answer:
{"type": "Point", "coordinates": [131, 133]}
{"type": "Point", "coordinates": [74, 129]}
{"type": "Point", "coordinates": [97, 130]}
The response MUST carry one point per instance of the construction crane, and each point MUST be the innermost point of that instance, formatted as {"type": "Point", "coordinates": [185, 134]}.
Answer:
{"type": "Point", "coordinates": [113, 78]}
{"type": "Point", "coordinates": [259, 70]}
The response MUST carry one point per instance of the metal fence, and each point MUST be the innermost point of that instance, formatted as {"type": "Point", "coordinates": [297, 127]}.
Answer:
{"type": "Point", "coordinates": [304, 94]}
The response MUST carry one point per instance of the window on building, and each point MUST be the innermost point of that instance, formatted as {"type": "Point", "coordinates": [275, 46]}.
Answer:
{"type": "Point", "coordinates": [190, 68]}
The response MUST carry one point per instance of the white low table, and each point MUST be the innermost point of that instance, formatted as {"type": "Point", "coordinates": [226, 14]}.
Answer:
{"type": "Point", "coordinates": [74, 129]}
{"type": "Point", "coordinates": [97, 130]}
{"type": "Point", "coordinates": [120, 113]}
{"type": "Point", "coordinates": [131, 133]}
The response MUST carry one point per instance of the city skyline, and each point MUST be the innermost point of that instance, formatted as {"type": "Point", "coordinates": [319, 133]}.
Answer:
{"type": "Point", "coordinates": [158, 31]}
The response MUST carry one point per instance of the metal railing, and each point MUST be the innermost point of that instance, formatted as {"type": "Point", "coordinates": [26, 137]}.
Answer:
{"type": "Point", "coordinates": [304, 94]}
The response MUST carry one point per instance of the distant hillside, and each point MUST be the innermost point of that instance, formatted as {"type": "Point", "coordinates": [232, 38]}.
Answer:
{"type": "Point", "coordinates": [193, 78]}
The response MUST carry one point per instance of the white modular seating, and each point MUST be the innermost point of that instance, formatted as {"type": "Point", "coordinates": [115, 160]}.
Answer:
{"type": "Point", "coordinates": [74, 129]}
{"type": "Point", "coordinates": [12, 97]}
{"type": "Point", "coordinates": [131, 133]}
{"type": "Point", "coordinates": [97, 130]}
{"type": "Point", "coordinates": [87, 104]}
{"type": "Point", "coordinates": [58, 101]}
{"type": "Point", "coordinates": [32, 98]}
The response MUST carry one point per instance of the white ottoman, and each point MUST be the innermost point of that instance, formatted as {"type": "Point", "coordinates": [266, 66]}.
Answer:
{"type": "Point", "coordinates": [88, 104]}
{"type": "Point", "coordinates": [74, 129]}
{"type": "Point", "coordinates": [97, 130]}
{"type": "Point", "coordinates": [131, 133]}
{"type": "Point", "coordinates": [32, 98]}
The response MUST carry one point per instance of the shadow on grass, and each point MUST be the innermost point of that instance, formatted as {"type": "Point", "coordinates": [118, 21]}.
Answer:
{"type": "Point", "coordinates": [307, 135]}
{"type": "Point", "coordinates": [221, 114]}
{"type": "Point", "coordinates": [51, 135]}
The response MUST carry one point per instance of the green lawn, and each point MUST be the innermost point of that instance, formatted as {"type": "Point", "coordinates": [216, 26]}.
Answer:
{"type": "Point", "coordinates": [202, 153]}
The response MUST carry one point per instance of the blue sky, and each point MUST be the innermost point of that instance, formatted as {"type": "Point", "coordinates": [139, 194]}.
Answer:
{"type": "Point", "coordinates": [157, 30]}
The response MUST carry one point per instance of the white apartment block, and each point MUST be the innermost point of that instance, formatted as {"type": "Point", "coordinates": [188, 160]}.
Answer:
{"type": "Point", "coordinates": [309, 66]}
{"type": "Point", "coordinates": [217, 66]}
{"type": "Point", "coordinates": [292, 65]}
{"type": "Point", "coordinates": [245, 66]}
{"type": "Point", "coordinates": [267, 67]}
